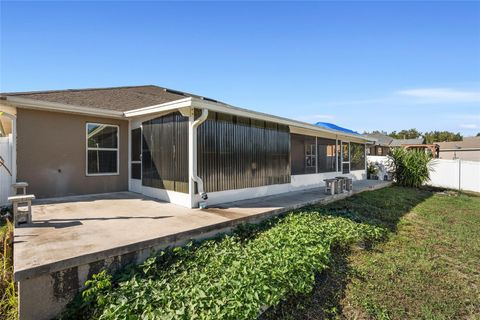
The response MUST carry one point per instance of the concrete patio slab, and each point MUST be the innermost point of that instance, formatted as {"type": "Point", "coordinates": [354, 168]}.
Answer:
{"type": "Point", "coordinates": [72, 238]}
{"type": "Point", "coordinates": [69, 230]}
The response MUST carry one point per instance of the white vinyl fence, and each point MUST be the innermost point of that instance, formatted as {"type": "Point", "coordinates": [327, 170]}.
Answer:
{"type": "Point", "coordinates": [5, 178]}
{"type": "Point", "coordinates": [455, 174]}
{"type": "Point", "coordinates": [452, 174]}
{"type": "Point", "coordinates": [382, 164]}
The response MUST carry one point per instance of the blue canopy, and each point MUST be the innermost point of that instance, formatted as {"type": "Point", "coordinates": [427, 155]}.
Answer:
{"type": "Point", "coordinates": [335, 127]}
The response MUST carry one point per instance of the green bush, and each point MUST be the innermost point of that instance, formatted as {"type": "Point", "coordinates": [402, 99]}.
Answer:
{"type": "Point", "coordinates": [233, 277]}
{"type": "Point", "coordinates": [410, 167]}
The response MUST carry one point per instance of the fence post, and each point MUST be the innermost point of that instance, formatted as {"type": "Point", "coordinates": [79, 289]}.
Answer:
{"type": "Point", "coordinates": [459, 175]}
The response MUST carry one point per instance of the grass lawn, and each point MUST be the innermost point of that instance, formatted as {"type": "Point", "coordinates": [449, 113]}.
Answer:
{"type": "Point", "coordinates": [429, 268]}
{"type": "Point", "coordinates": [395, 253]}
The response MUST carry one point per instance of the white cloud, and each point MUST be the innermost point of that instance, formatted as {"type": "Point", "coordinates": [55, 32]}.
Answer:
{"type": "Point", "coordinates": [315, 117]}
{"type": "Point", "coordinates": [413, 97]}
{"type": "Point", "coordinates": [469, 126]}
{"type": "Point", "coordinates": [438, 95]}
{"type": "Point", "coordinates": [465, 117]}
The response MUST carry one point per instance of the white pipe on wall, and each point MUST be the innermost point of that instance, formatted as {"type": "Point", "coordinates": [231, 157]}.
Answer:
{"type": "Point", "coordinates": [193, 176]}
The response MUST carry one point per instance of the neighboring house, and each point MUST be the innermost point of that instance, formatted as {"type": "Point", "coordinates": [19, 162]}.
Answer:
{"type": "Point", "coordinates": [468, 149]}
{"type": "Point", "coordinates": [385, 143]}
{"type": "Point", "coordinates": [169, 145]}
{"type": "Point", "coordinates": [382, 145]}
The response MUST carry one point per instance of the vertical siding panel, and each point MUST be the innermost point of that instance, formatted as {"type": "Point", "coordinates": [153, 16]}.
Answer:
{"type": "Point", "coordinates": [236, 152]}
{"type": "Point", "coordinates": [165, 153]}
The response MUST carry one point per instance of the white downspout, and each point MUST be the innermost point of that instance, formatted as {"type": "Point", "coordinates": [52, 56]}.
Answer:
{"type": "Point", "coordinates": [193, 156]}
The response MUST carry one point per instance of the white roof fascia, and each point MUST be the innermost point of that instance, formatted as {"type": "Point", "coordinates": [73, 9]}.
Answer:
{"type": "Point", "coordinates": [188, 102]}
{"type": "Point", "coordinates": [158, 108]}
{"type": "Point", "coordinates": [60, 107]}
{"type": "Point", "coordinates": [219, 107]}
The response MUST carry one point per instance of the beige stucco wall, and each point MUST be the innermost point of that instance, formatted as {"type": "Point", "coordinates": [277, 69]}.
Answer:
{"type": "Point", "coordinates": [51, 154]}
{"type": "Point", "coordinates": [473, 155]}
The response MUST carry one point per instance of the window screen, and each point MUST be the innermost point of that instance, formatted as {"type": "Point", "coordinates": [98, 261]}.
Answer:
{"type": "Point", "coordinates": [136, 144]}
{"type": "Point", "coordinates": [326, 155]}
{"type": "Point", "coordinates": [303, 154]}
{"type": "Point", "coordinates": [357, 156]}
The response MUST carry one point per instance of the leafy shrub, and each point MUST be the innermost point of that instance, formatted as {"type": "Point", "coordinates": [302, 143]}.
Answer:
{"type": "Point", "coordinates": [372, 169]}
{"type": "Point", "coordinates": [229, 278]}
{"type": "Point", "coordinates": [409, 167]}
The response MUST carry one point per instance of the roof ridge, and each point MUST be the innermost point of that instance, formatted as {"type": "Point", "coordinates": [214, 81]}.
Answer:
{"type": "Point", "coordinates": [74, 90]}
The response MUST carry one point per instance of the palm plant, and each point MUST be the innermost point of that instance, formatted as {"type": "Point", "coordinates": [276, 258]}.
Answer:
{"type": "Point", "coordinates": [410, 168]}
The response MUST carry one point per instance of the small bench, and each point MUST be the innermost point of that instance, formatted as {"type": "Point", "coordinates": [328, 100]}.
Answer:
{"type": "Point", "coordinates": [24, 211]}
{"type": "Point", "coordinates": [346, 183]}
{"type": "Point", "coordinates": [20, 185]}
{"type": "Point", "coordinates": [331, 186]}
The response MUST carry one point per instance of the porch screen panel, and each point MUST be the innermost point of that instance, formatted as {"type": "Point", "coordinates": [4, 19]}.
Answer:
{"type": "Point", "coordinates": [135, 155]}
{"type": "Point", "coordinates": [357, 156]}
{"type": "Point", "coordinates": [326, 155]}
{"type": "Point", "coordinates": [165, 153]}
{"type": "Point", "coordinates": [236, 152]}
{"type": "Point", "coordinates": [304, 154]}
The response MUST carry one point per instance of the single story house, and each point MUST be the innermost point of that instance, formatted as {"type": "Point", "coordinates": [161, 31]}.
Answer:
{"type": "Point", "coordinates": [467, 149]}
{"type": "Point", "coordinates": [166, 144]}
{"type": "Point", "coordinates": [382, 145]}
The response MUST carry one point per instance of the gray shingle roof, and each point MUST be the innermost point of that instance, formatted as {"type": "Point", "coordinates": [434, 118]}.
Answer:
{"type": "Point", "coordinates": [382, 139]}
{"type": "Point", "coordinates": [117, 98]}
{"type": "Point", "coordinates": [468, 142]}
{"type": "Point", "coordinates": [387, 141]}
{"type": "Point", "coordinates": [402, 142]}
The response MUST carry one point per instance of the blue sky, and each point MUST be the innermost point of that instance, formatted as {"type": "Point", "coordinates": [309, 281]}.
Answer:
{"type": "Point", "coordinates": [362, 65]}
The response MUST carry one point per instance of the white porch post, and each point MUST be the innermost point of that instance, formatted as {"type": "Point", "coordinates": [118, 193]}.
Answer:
{"type": "Point", "coordinates": [14, 149]}
{"type": "Point", "coordinates": [129, 162]}
{"type": "Point", "coordinates": [336, 153]}
{"type": "Point", "coordinates": [365, 158]}
{"type": "Point", "coordinates": [192, 158]}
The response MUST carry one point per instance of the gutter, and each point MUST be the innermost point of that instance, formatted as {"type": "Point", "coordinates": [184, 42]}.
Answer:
{"type": "Point", "coordinates": [60, 107]}
{"type": "Point", "coordinates": [194, 175]}
{"type": "Point", "coordinates": [192, 102]}
{"type": "Point", "coordinates": [225, 108]}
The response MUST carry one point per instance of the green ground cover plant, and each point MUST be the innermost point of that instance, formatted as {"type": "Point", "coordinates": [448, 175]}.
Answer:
{"type": "Point", "coordinates": [234, 277]}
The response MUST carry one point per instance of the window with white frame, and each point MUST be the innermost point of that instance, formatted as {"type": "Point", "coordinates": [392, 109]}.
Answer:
{"type": "Point", "coordinates": [102, 149]}
{"type": "Point", "coordinates": [310, 155]}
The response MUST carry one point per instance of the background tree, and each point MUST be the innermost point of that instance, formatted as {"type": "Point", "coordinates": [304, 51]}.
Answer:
{"type": "Point", "coordinates": [406, 134]}
{"type": "Point", "coordinates": [430, 137]}
{"type": "Point", "coordinates": [441, 136]}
